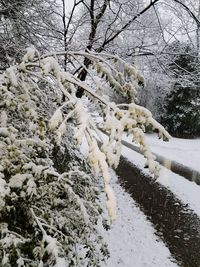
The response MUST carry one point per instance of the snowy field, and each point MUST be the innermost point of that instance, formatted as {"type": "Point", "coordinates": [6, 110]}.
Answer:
{"type": "Point", "coordinates": [184, 151]}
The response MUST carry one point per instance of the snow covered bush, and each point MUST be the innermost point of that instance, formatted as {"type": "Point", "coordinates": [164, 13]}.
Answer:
{"type": "Point", "coordinates": [48, 196]}
{"type": "Point", "coordinates": [182, 112]}
{"type": "Point", "coordinates": [181, 107]}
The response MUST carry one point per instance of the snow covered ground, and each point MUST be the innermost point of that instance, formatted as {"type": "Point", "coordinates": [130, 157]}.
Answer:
{"type": "Point", "coordinates": [131, 240]}
{"type": "Point", "coordinates": [131, 228]}
{"type": "Point", "coordinates": [184, 151]}
{"type": "Point", "coordinates": [188, 192]}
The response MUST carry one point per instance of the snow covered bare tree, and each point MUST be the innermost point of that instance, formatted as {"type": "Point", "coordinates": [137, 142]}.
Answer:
{"type": "Point", "coordinates": [24, 23]}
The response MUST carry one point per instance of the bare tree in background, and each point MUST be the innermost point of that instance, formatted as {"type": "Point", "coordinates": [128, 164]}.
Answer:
{"type": "Point", "coordinates": [104, 22]}
{"type": "Point", "coordinates": [107, 25]}
{"type": "Point", "coordinates": [25, 23]}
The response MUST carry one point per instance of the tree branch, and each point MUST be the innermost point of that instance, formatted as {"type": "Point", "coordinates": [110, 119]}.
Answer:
{"type": "Point", "coordinates": [126, 25]}
{"type": "Point", "coordinates": [189, 12]}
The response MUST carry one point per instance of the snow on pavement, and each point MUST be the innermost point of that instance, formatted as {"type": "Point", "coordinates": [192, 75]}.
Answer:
{"type": "Point", "coordinates": [188, 192]}
{"type": "Point", "coordinates": [132, 241]}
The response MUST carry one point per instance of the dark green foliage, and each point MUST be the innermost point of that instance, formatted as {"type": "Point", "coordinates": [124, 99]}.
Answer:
{"type": "Point", "coordinates": [61, 192]}
{"type": "Point", "coordinates": [182, 104]}
{"type": "Point", "coordinates": [182, 107]}
{"type": "Point", "coordinates": [58, 205]}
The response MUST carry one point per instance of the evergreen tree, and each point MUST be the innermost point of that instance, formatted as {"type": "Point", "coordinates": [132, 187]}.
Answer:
{"type": "Point", "coordinates": [182, 104]}
{"type": "Point", "coordinates": [182, 107]}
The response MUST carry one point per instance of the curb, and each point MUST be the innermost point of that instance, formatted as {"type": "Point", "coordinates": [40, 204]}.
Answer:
{"type": "Point", "coordinates": [178, 168]}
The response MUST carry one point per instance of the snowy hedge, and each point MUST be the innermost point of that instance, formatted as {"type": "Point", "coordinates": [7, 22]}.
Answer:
{"type": "Point", "coordinates": [48, 196]}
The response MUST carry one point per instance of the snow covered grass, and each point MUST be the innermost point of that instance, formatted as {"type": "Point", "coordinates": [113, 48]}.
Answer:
{"type": "Point", "coordinates": [132, 241]}
{"type": "Point", "coordinates": [184, 151]}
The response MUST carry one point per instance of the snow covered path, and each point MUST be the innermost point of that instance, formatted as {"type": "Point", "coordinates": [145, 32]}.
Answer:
{"type": "Point", "coordinates": [132, 241]}
{"type": "Point", "coordinates": [173, 220]}
{"type": "Point", "coordinates": [185, 231]}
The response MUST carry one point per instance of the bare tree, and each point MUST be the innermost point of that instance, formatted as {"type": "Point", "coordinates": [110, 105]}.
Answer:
{"type": "Point", "coordinates": [24, 23]}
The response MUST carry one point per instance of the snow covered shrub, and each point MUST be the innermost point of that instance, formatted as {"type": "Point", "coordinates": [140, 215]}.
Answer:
{"type": "Point", "coordinates": [48, 197]}
{"type": "Point", "coordinates": [182, 112]}
{"type": "Point", "coordinates": [181, 109]}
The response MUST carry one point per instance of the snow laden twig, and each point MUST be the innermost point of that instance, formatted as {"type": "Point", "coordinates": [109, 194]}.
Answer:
{"type": "Point", "coordinates": [98, 160]}
{"type": "Point", "coordinates": [51, 247]}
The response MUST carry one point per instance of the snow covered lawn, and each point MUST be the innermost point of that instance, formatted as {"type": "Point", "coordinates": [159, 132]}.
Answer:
{"type": "Point", "coordinates": [184, 151]}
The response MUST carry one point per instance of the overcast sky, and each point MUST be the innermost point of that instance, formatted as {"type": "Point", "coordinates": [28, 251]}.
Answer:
{"type": "Point", "coordinates": [69, 4]}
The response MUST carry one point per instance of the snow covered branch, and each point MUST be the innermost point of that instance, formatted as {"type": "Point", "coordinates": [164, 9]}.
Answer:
{"type": "Point", "coordinates": [39, 110]}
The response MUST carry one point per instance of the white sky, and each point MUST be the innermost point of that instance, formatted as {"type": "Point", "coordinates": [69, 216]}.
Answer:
{"type": "Point", "coordinates": [69, 4]}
